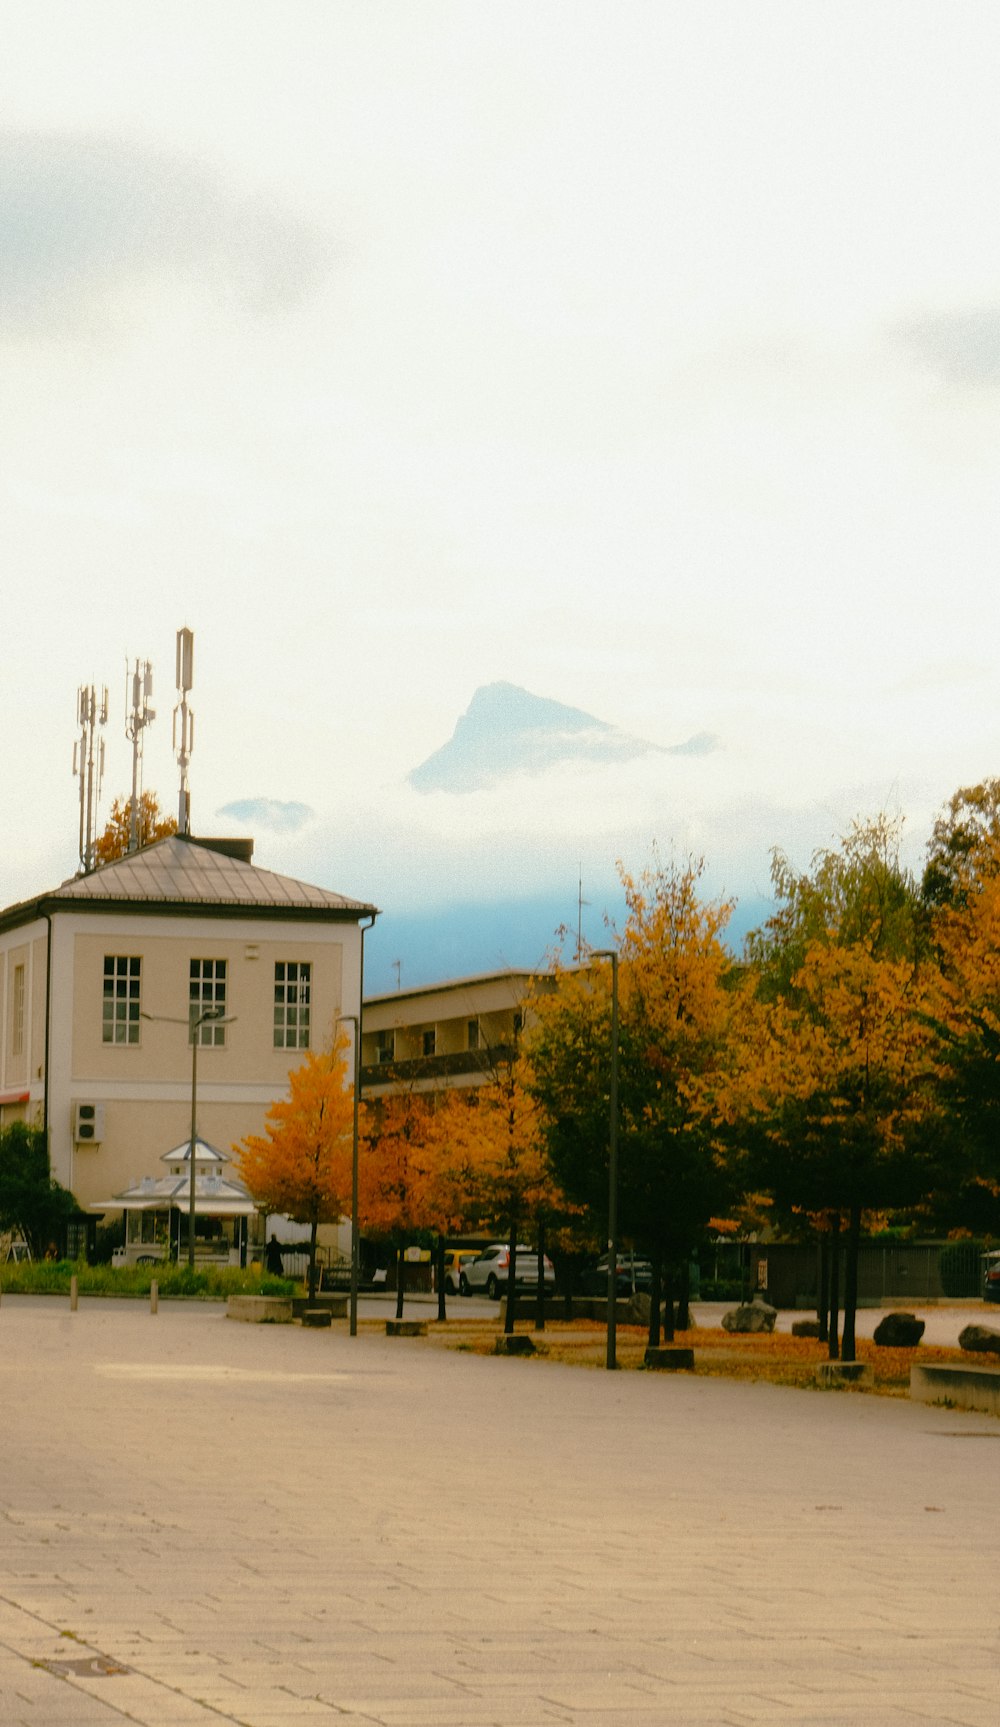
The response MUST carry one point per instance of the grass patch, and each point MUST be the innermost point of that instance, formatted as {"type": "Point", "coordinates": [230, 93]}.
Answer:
{"type": "Point", "coordinates": [212, 1283]}
{"type": "Point", "coordinates": [777, 1359]}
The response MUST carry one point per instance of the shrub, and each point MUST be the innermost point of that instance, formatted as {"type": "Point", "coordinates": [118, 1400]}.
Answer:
{"type": "Point", "coordinates": [214, 1283]}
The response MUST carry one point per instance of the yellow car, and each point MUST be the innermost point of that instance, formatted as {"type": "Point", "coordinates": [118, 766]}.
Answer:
{"type": "Point", "coordinates": [454, 1259]}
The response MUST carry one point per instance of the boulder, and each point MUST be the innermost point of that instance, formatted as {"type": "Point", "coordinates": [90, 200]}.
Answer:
{"type": "Point", "coordinates": [805, 1327]}
{"type": "Point", "coordinates": [752, 1316]}
{"type": "Point", "coordinates": [980, 1340]}
{"type": "Point", "coordinates": [899, 1331]}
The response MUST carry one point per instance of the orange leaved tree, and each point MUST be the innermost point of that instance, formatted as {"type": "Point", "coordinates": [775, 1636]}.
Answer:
{"type": "Point", "coordinates": [397, 1168]}
{"type": "Point", "coordinates": [301, 1164]}
{"type": "Point", "coordinates": [151, 825]}
{"type": "Point", "coordinates": [498, 1144]}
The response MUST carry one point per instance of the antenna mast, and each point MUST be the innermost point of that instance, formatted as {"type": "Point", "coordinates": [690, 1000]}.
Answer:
{"type": "Point", "coordinates": [137, 719]}
{"type": "Point", "coordinates": [88, 762]}
{"type": "Point", "coordinates": [184, 724]}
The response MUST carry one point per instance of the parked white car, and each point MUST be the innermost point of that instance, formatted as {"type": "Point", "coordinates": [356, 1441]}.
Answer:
{"type": "Point", "coordinates": [489, 1270]}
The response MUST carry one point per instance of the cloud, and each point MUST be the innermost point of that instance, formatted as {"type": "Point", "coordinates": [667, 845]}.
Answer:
{"type": "Point", "coordinates": [85, 215]}
{"type": "Point", "coordinates": [702, 744]}
{"type": "Point", "coordinates": [963, 347]}
{"type": "Point", "coordinates": [269, 813]}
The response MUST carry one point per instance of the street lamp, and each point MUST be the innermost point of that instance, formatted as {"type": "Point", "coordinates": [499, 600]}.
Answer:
{"type": "Point", "coordinates": [354, 1020]}
{"type": "Point", "coordinates": [194, 1023]}
{"type": "Point", "coordinates": [611, 1361]}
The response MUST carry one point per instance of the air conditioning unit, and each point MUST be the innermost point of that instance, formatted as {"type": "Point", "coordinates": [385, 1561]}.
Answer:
{"type": "Point", "coordinates": [88, 1123]}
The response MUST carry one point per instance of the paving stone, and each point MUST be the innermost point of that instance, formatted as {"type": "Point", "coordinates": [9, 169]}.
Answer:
{"type": "Point", "coordinates": [272, 1528]}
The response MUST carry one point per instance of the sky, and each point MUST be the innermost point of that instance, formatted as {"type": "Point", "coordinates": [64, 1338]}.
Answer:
{"type": "Point", "coordinates": [644, 357]}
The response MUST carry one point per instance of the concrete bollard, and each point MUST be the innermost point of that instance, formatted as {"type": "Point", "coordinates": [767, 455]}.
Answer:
{"type": "Point", "coordinates": [154, 1296]}
{"type": "Point", "coordinates": [73, 1295]}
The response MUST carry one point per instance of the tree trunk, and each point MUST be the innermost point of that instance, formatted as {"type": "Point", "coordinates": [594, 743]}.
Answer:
{"type": "Point", "coordinates": [849, 1350]}
{"type": "Point", "coordinates": [833, 1347]}
{"type": "Point", "coordinates": [508, 1323]}
{"type": "Point", "coordinates": [668, 1302]}
{"type": "Point", "coordinates": [311, 1286]}
{"type": "Point", "coordinates": [684, 1296]}
{"type": "Point", "coordinates": [400, 1278]}
{"type": "Point", "coordinates": [540, 1286]}
{"type": "Point", "coordinates": [439, 1256]}
{"type": "Point", "coordinates": [823, 1302]}
{"type": "Point", "coordinates": [654, 1301]}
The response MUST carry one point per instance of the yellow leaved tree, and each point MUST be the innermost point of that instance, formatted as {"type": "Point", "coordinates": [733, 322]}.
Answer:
{"type": "Point", "coordinates": [151, 824]}
{"type": "Point", "coordinates": [301, 1164]}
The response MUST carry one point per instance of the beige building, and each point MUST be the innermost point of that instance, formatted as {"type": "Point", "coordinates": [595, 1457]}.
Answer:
{"type": "Point", "coordinates": [446, 1035]}
{"type": "Point", "coordinates": [99, 980]}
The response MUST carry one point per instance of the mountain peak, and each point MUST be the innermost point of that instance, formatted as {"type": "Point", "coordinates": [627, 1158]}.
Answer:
{"type": "Point", "coordinates": [506, 730]}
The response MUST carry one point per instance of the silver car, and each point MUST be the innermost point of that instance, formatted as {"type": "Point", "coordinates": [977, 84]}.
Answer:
{"type": "Point", "coordinates": [489, 1270]}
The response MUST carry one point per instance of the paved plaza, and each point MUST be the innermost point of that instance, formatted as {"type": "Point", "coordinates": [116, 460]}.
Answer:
{"type": "Point", "coordinates": [203, 1522]}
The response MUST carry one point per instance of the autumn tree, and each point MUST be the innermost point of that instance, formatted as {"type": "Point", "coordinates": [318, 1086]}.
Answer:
{"type": "Point", "coordinates": [499, 1146]}
{"type": "Point", "coordinates": [401, 1193]}
{"type": "Point", "coordinates": [966, 933]}
{"type": "Point", "coordinates": [676, 987]}
{"type": "Point", "coordinates": [964, 847]}
{"type": "Point", "coordinates": [115, 841]}
{"type": "Point", "coordinates": [841, 1057]}
{"type": "Point", "coordinates": [301, 1165]}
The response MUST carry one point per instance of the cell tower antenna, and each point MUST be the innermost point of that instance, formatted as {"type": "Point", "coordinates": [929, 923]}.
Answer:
{"type": "Point", "coordinates": [184, 724]}
{"type": "Point", "coordinates": [137, 718]}
{"type": "Point", "coordinates": [88, 762]}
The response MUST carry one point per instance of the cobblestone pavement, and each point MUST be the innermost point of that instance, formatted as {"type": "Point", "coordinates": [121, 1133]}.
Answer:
{"type": "Point", "coordinates": [203, 1522]}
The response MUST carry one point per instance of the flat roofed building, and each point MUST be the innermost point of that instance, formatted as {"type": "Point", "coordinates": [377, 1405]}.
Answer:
{"type": "Point", "coordinates": [447, 1035]}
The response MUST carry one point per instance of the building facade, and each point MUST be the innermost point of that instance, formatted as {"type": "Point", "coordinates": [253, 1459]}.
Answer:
{"type": "Point", "coordinates": [445, 1036]}
{"type": "Point", "coordinates": [100, 981]}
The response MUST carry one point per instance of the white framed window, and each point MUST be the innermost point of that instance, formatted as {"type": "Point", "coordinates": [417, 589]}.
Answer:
{"type": "Point", "coordinates": [429, 1041]}
{"type": "Point", "coordinates": [472, 1031]}
{"type": "Point", "coordinates": [207, 989]}
{"type": "Point", "coordinates": [122, 997]}
{"type": "Point", "coordinates": [385, 1045]}
{"type": "Point", "coordinates": [292, 998]}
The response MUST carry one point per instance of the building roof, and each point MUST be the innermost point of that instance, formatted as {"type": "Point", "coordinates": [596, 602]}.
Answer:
{"type": "Point", "coordinates": [180, 873]}
{"type": "Point", "coordinates": [506, 974]}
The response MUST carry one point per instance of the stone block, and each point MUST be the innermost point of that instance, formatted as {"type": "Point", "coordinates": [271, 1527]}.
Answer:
{"type": "Point", "coordinates": [834, 1373]}
{"type": "Point", "coordinates": [260, 1309]}
{"type": "Point", "coordinates": [406, 1328]}
{"type": "Point", "coordinates": [517, 1344]}
{"type": "Point", "coordinates": [317, 1318]}
{"type": "Point", "coordinates": [670, 1359]}
{"type": "Point", "coordinates": [959, 1387]}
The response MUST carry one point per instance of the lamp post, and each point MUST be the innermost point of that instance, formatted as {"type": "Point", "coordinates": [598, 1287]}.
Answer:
{"type": "Point", "coordinates": [611, 1360]}
{"type": "Point", "coordinates": [354, 1020]}
{"type": "Point", "coordinates": [194, 1023]}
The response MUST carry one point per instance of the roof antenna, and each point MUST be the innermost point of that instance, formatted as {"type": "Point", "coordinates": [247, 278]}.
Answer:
{"type": "Point", "coordinates": [185, 730]}
{"type": "Point", "coordinates": [89, 764]}
{"type": "Point", "coordinates": [140, 716]}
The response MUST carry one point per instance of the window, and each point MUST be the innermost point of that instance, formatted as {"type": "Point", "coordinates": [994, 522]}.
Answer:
{"type": "Point", "coordinates": [385, 1045]}
{"type": "Point", "coordinates": [473, 1029]}
{"type": "Point", "coordinates": [17, 1013]}
{"type": "Point", "coordinates": [429, 1041]}
{"type": "Point", "coordinates": [292, 989]}
{"type": "Point", "coordinates": [122, 978]}
{"type": "Point", "coordinates": [207, 989]}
